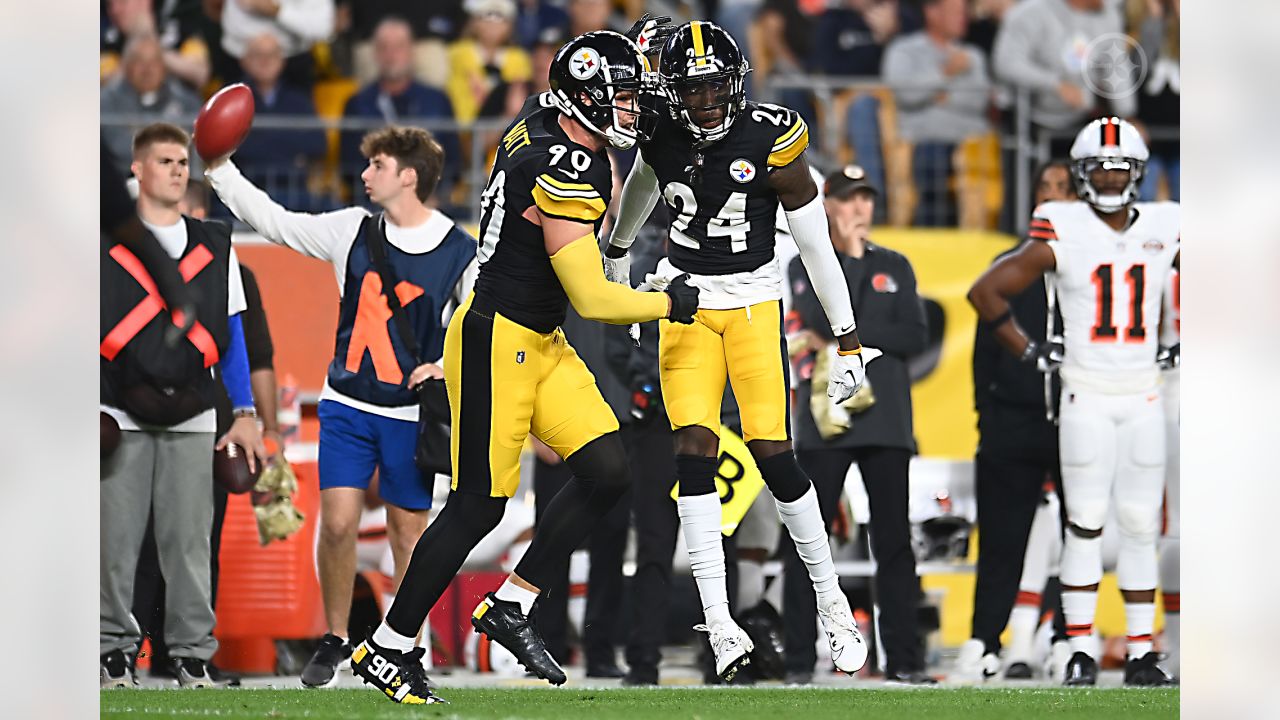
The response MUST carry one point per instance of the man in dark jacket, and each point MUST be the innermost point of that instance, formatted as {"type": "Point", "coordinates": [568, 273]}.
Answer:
{"type": "Point", "coordinates": [878, 437]}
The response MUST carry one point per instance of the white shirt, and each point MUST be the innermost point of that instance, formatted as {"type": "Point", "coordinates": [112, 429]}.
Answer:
{"type": "Point", "coordinates": [173, 238]}
{"type": "Point", "coordinates": [329, 236]}
{"type": "Point", "coordinates": [1110, 287]}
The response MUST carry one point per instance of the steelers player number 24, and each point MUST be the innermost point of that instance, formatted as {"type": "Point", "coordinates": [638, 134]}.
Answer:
{"type": "Point", "coordinates": [731, 221]}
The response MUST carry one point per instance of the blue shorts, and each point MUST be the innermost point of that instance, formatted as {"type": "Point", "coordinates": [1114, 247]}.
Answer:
{"type": "Point", "coordinates": [353, 443]}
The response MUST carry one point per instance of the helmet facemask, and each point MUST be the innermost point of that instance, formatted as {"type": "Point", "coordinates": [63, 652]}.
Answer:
{"type": "Point", "coordinates": [692, 99]}
{"type": "Point", "coordinates": [1110, 202]}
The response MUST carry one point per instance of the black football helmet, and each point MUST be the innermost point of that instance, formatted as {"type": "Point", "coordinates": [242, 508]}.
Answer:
{"type": "Point", "coordinates": [589, 73]}
{"type": "Point", "coordinates": [701, 72]}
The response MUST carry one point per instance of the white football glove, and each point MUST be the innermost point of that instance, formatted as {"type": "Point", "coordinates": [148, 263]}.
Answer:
{"type": "Point", "coordinates": [847, 375]}
{"type": "Point", "coordinates": [618, 269]}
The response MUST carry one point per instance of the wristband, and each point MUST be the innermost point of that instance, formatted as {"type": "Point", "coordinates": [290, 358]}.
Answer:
{"type": "Point", "coordinates": [846, 353]}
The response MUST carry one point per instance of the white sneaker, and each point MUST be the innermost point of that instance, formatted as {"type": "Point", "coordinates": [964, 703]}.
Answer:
{"type": "Point", "coordinates": [974, 664]}
{"type": "Point", "coordinates": [848, 650]}
{"type": "Point", "coordinates": [1055, 666]}
{"type": "Point", "coordinates": [731, 645]}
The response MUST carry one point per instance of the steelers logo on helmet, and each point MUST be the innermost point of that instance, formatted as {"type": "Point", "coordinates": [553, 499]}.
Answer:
{"type": "Point", "coordinates": [742, 170]}
{"type": "Point", "coordinates": [585, 63]}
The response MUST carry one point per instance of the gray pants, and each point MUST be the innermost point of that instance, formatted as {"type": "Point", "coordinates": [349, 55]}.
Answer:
{"type": "Point", "coordinates": [172, 473]}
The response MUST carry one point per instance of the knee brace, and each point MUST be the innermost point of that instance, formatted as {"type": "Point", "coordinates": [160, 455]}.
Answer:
{"type": "Point", "coordinates": [784, 477]}
{"type": "Point", "coordinates": [697, 475]}
{"type": "Point", "coordinates": [1138, 522]}
{"type": "Point", "coordinates": [1086, 516]}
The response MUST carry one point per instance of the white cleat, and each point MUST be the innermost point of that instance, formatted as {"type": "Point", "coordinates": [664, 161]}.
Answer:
{"type": "Point", "coordinates": [731, 645]}
{"type": "Point", "coordinates": [1055, 667]}
{"type": "Point", "coordinates": [848, 650]}
{"type": "Point", "coordinates": [974, 664]}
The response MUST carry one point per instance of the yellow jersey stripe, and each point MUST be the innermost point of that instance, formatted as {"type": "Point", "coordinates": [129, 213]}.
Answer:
{"type": "Point", "coordinates": [782, 157]}
{"type": "Point", "coordinates": [699, 50]}
{"type": "Point", "coordinates": [561, 184]}
{"type": "Point", "coordinates": [587, 194]}
{"type": "Point", "coordinates": [790, 134]}
{"type": "Point", "coordinates": [568, 208]}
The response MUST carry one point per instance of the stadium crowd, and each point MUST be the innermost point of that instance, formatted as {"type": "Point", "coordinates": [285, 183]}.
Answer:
{"type": "Point", "coordinates": [912, 106]}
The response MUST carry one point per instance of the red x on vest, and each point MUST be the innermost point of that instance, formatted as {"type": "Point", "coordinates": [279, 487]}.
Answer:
{"type": "Point", "coordinates": [150, 306]}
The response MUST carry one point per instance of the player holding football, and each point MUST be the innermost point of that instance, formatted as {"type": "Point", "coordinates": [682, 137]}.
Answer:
{"type": "Point", "coordinates": [1110, 257]}
{"type": "Point", "coordinates": [509, 370]}
{"type": "Point", "coordinates": [723, 165]}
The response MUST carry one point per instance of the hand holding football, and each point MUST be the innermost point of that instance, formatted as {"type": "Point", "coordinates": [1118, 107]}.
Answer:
{"type": "Point", "coordinates": [231, 469]}
{"type": "Point", "coordinates": [223, 122]}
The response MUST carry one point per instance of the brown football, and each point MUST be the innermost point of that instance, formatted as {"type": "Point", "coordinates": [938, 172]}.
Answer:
{"type": "Point", "coordinates": [231, 470]}
{"type": "Point", "coordinates": [224, 121]}
{"type": "Point", "coordinates": [108, 434]}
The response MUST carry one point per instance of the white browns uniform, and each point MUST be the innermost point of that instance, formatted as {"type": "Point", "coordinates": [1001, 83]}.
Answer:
{"type": "Point", "coordinates": [1112, 427]}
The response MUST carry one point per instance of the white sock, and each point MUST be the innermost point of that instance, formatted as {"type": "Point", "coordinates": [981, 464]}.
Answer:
{"type": "Point", "coordinates": [1022, 631]}
{"type": "Point", "coordinates": [510, 592]}
{"type": "Point", "coordinates": [1078, 608]}
{"type": "Point", "coordinates": [804, 523]}
{"type": "Point", "coordinates": [387, 638]}
{"type": "Point", "coordinates": [1140, 618]}
{"type": "Point", "coordinates": [700, 518]}
{"type": "Point", "coordinates": [750, 583]}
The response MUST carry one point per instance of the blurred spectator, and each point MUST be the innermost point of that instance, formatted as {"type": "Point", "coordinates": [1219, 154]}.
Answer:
{"type": "Point", "coordinates": [144, 88]}
{"type": "Point", "coordinates": [588, 16]}
{"type": "Point", "coordinates": [544, 51]}
{"type": "Point", "coordinates": [185, 54]}
{"type": "Point", "coordinates": [984, 23]}
{"type": "Point", "coordinates": [1042, 46]}
{"type": "Point", "coordinates": [486, 70]}
{"type": "Point", "coordinates": [942, 92]}
{"type": "Point", "coordinates": [297, 24]}
{"type": "Point", "coordinates": [1156, 24]}
{"type": "Point", "coordinates": [736, 17]}
{"type": "Point", "coordinates": [783, 36]}
{"type": "Point", "coordinates": [874, 428]}
{"type": "Point", "coordinates": [396, 97]}
{"type": "Point", "coordinates": [535, 18]}
{"type": "Point", "coordinates": [278, 159]}
{"type": "Point", "coordinates": [434, 25]}
{"type": "Point", "coordinates": [851, 38]}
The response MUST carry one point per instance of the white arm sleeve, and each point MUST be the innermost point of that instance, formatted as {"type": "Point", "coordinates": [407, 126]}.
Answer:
{"type": "Point", "coordinates": [639, 195]}
{"type": "Point", "coordinates": [809, 228]}
{"type": "Point", "coordinates": [327, 236]}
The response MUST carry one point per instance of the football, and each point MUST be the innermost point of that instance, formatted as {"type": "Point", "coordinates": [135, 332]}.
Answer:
{"type": "Point", "coordinates": [108, 435]}
{"type": "Point", "coordinates": [231, 470]}
{"type": "Point", "coordinates": [224, 121]}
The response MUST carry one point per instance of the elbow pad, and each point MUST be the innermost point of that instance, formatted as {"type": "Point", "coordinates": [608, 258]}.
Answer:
{"type": "Point", "coordinates": [809, 228]}
{"type": "Point", "coordinates": [578, 267]}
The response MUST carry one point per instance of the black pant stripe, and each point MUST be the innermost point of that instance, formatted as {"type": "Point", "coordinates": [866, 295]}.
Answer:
{"type": "Point", "coordinates": [786, 368]}
{"type": "Point", "coordinates": [475, 416]}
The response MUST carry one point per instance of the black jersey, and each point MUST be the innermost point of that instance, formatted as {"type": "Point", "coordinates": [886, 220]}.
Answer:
{"type": "Point", "coordinates": [722, 207]}
{"type": "Point", "coordinates": [536, 164]}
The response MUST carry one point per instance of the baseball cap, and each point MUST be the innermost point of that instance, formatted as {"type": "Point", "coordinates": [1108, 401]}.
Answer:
{"type": "Point", "coordinates": [843, 182]}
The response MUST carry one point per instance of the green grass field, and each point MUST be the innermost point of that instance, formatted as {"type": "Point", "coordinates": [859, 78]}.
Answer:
{"type": "Point", "coordinates": [664, 703]}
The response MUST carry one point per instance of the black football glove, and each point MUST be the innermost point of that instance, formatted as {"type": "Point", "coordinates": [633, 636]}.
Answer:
{"type": "Point", "coordinates": [650, 32]}
{"type": "Point", "coordinates": [1169, 357]}
{"type": "Point", "coordinates": [684, 300]}
{"type": "Point", "coordinates": [1046, 358]}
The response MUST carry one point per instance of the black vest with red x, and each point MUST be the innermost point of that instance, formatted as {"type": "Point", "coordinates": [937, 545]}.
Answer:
{"type": "Point", "coordinates": [134, 320]}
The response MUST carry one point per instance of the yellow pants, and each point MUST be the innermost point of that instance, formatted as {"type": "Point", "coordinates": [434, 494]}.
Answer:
{"type": "Point", "coordinates": [505, 381]}
{"type": "Point", "coordinates": [746, 346]}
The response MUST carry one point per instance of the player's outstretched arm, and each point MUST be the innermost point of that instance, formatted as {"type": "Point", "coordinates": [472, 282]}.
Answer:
{"type": "Point", "coordinates": [576, 261]}
{"type": "Point", "coordinates": [320, 236]}
{"type": "Point", "coordinates": [639, 195]}
{"type": "Point", "coordinates": [1008, 277]}
{"type": "Point", "coordinates": [808, 220]}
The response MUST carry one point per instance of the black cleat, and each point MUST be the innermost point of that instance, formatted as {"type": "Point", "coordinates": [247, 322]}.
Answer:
{"type": "Point", "coordinates": [909, 677]}
{"type": "Point", "coordinates": [321, 670]}
{"type": "Point", "coordinates": [764, 626]}
{"type": "Point", "coordinates": [398, 675]}
{"type": "Point", "coordinates": [503, 622]}
{"type": "Point", "coordinates": [116, 670]}
{"type": "Point", "coordinates": [1081, 670]}
{"type": "Point", "coordinates": [1018, 671]}
{"type": "Point", "coordinates": [191, 672]}
{"type": "Point", "coordinates": [1144, 672]}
